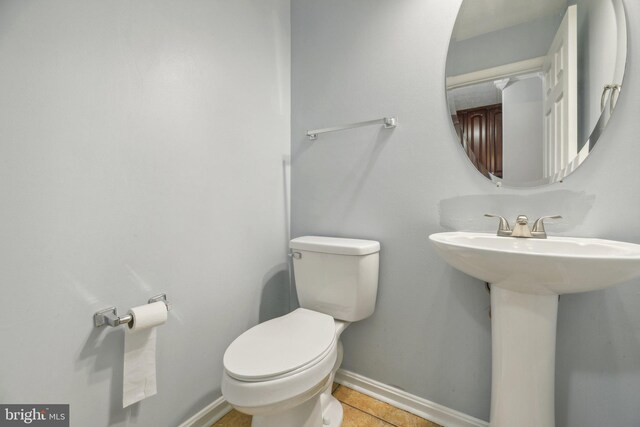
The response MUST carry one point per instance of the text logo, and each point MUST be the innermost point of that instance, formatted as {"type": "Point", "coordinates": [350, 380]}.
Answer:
{"type": "Point", "coordinates": [36, 415]}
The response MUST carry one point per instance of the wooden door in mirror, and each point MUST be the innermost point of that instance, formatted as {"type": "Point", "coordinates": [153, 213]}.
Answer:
{"type": "Point", "coordinates": [480, 133]}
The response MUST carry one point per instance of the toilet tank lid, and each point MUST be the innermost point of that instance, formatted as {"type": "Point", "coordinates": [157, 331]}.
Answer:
{"type": "Point", "coordinates": [335, 245]}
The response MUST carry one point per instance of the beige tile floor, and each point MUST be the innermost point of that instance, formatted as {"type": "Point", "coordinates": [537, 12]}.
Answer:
{"type": "Point", "coordinates": [359, 411]}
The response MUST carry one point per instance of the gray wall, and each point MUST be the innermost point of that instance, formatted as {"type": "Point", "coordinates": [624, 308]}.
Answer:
{"type": "Point", "coordinates": [141, 151]}
{"type": "Point", "coordinates": [430, 334]}
{"type": "Point", "coordinates": [522, 131]}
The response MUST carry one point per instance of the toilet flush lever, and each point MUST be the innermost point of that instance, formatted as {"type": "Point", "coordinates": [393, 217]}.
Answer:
{"type": "Point", "coordinates": [295, 255]}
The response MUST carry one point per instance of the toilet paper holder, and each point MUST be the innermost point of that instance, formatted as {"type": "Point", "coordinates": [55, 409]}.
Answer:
{"type": "Point", "coordinates": [109, 316]}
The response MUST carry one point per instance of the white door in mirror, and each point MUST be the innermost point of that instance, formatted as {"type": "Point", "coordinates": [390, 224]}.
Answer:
{"type": "Point", "coordinates": [560, 67]}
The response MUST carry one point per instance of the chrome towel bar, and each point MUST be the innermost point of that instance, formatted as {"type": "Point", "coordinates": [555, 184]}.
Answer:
{"type": "Point", "coordinates": [109, 316]}
{"type": "Point", "coordinates": [388, 122]}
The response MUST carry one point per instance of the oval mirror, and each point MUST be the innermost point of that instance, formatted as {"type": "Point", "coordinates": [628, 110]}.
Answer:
{"type": "Point", "coordinates": [532, 83]}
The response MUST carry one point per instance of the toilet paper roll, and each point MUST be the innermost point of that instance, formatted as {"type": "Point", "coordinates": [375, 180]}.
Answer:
{"type": "Point", "coordinates": [139, 379]}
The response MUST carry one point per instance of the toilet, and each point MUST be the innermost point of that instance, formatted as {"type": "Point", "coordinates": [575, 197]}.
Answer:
{"type": "Point", "coordinates": [281, 371]}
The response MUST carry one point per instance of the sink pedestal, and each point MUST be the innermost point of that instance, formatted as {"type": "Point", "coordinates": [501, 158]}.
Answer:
{"type": "Point", "coordinates": [523, 334]}
{"type": "Point", "coordinates": [527, 275]}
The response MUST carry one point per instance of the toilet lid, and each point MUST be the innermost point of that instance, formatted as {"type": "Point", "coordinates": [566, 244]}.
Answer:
{"type": "Point", "coordinates": [280, 345]}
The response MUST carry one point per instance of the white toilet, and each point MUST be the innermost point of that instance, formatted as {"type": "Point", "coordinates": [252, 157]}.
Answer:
{"type": "Point", "coordinates": [281, 371]}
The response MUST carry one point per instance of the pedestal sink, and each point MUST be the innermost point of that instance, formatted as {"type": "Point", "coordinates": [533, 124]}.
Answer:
{"type": "Point", "coordinates": [526, 277]}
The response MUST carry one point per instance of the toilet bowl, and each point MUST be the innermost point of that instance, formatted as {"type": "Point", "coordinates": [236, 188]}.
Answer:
{"type": "Point", "coordinates": [282, 364]}
{"type": "Point", "coordinates": [281, 371]}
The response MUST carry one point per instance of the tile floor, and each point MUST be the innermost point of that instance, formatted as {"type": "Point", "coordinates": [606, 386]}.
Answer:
{"type": "Point", "coordinates": [359, 411]}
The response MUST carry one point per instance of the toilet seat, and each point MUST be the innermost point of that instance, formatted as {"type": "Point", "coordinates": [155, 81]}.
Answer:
{"type": "Point", "coordinates": [274, 395]}
{"type": "Point", "coordinates": [281, 347]}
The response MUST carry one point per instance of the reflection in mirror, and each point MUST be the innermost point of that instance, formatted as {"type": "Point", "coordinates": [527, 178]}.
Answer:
{"type": "Point", "coordinates": [532, 83]}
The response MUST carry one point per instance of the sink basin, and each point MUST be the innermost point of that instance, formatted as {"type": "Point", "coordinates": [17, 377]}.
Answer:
{"type": "Point", "coordinates": [526, 277]}
{"type": "Point", "coordinates": [557, 265]}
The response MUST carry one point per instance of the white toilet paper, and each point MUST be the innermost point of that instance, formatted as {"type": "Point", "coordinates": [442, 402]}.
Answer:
{"type": "Point", "coordinates": [139, 381]}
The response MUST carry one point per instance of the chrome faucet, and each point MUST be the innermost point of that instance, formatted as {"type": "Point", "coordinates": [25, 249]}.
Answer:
{"type": "Point", "coordinates": [521, 228]}
{"type": "Point", "coordinates": [504, 229]}
{"type": "Point", "coordinates": [538, 230]}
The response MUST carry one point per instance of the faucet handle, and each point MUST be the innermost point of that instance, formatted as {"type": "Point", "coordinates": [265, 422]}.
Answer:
{"type": "Point", "coordinates": [538, 226]}
{"type": "Point", "coordinates": [503, 229]}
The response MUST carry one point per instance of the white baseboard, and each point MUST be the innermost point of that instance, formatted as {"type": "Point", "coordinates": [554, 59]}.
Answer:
{"type": "Point", "coordinates": [401, 399]}
{"type": "Point", "coordinates": [209, 414]}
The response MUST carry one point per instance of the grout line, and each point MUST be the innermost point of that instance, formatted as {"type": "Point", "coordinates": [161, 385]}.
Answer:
{"type": "Point", "coordinates": [365, 412]}
{"type": "Point", "coordinates": [371, 415]}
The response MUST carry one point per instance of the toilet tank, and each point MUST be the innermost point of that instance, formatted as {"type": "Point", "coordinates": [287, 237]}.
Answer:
{"type": "Point", "coordinates": [336, 276]}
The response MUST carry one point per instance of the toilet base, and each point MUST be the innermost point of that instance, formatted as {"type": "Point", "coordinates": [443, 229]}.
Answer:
{"type": "Point", "coordinates": [307, 414]}
{"type": "Point", "coordinates": [332, 413]}
{"type": "Point", "coordinates": [321, 410]}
